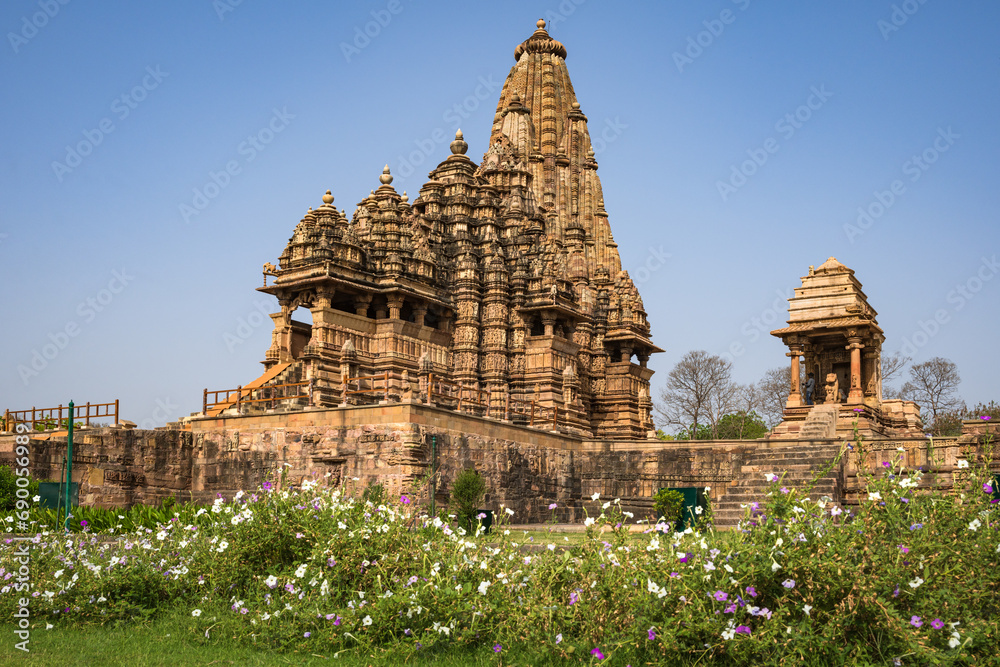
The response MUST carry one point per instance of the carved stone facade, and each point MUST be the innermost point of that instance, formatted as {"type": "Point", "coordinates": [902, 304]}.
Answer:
{"type": "Point", "coordinates": [832, 326]}
{"type": "Point", "coordinates": [501, 277]}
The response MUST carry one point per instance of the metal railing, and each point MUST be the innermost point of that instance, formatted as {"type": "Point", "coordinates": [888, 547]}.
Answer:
{"type": "Point", "coordinates": [372, 389]}
{"type": "Point", "coordinates": [271, 394]}
{"type": "Point", "coordinates": [52, 418]}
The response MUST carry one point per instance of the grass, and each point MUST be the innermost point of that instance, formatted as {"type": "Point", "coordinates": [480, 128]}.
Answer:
{"type": "Point", "coordinates": [172, 639]}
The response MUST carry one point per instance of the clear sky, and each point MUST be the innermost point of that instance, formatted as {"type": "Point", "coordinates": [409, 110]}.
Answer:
{"type": "Point", "coordinates": [155, 155]}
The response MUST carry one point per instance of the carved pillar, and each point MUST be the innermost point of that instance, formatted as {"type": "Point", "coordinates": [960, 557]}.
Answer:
{"type": "Point", "coordinates": [794, 396]}
{"type": "Point", "coordinates": [361, 303]}
{"type": "Point", "coordinates": [549, 322]}
{"type": "Point", "coordinates": [419, 313]}
{"type": "Point", "coordinates": [856, 394]}
{"type": "Point", "coordinates": [395, 302]}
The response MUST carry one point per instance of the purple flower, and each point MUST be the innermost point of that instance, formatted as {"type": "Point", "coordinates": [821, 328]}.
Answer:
{"type": "Point", "coordinates": [985, 417]}
{"type": "Point", "coordinates": [916, 526]}
{"type": "Point", "coordinates": [84, 523]}
{"type": "Point", "coordinates": [895, 593]}
{"type": "Point", "coordinates": [267, 486]}
{"type": "Point", "coordinates": [597, 654]}
{"type": "Point", "coordinates": [307, 634]}
{"type": "Point", "coordinates": [299, 536]}
{"type": "Point", "coordinates": [573, 598]}
{"type": "Point", "coordinates": [751, 591]}
{"type": "Point", "coordinates": [915, 621]}
{"type": "Point", "coordinates": [497, 648]}
{"type": "Point", "coordinates": [904, 549]}
{"type": "Point", "coordinates": [784, 489]}
{"type": "Point", "coordinates": [742, 629]}
{"type": "Point", "coordinates": [859, 410]}
{"type": "Point", "coordinates": [651, 634]}
{"type": "Point", "coordinates": [337, 622]}
{"type": "Point", "coordinates": [937, 624]}
{"type": "Point", "coordinates": [788, 583]}
{"type": "Point", "coordinates": [886, 464]}
{"type": "Point", "coordinates": [987, 487]}
{"type": "Point", "coordinates": [553, 506]}
{"type": "Point", "coordinates": [403, 499]}
{"type": "Point", "coordinates": [720, 596]}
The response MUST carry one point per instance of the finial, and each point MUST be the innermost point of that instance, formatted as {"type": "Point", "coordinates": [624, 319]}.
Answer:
{"type": "Point", "coordinates": [459, 146]}
{"type": "Point", "coordinates": [515, 97]}
{"type": "Point", "coordinates": [591, 154]}
{"type": "Point", "coordinates": [405, 198]}
{"type": "Point", "coordinates": [576, 106]}
{"type": "Point", "coordinates": [386, 177]}
{"type": "Point", "coordinates": [540, 24]}
{"type": "Point", "coordinates": [328, 198]}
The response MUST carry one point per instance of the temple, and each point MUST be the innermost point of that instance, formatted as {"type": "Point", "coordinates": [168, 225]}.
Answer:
{"type": "Point", "coordinates": [833, 328]}
{"type": "Point", "coordinates": [499, 286]}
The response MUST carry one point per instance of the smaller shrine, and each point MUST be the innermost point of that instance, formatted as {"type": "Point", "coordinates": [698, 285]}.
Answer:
{"type": "Point", "coordinates": [835, 346]}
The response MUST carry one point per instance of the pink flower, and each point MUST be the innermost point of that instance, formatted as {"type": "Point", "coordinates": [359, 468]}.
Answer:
{"type": "Point", "coordinates": [403, 499]}
{"type": "Point", "coordinates": [742, 629]}
{"type": "Point", "coordinates": [937, 624]}
{"type": "Point", "coordinates": [553, 506]}
{"type": "Point", "coordinates": [597, 654]}
{"type": "Point", "coordinates": [915, 621]}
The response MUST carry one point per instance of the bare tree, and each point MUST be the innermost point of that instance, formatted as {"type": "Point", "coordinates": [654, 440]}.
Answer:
{"type": "Point", "coordinates": [774, 388]}
{"type": "Point", "coordinates": [699, 390]}
{"type": "Point", "coordinates": [892, 366]}
{"type": "Point", "coordinates": [934, 385]}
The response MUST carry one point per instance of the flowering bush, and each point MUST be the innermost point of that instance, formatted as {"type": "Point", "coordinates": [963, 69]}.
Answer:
{"type": "Point", "coordinates": [907, 575]}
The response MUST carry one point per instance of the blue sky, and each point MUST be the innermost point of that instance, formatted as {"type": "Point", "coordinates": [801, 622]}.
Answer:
{"type": "Point", "coordinates": [742, 138]}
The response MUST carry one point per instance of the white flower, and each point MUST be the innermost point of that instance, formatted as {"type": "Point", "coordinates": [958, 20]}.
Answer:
{"type": "Point", "coordinates": [771, 477]}
{"type": "Point", "coordinates": [196, 613]}
{"type": "Point", "coordinates": [271, 581]}
{"type": "Point", "coordinates": [483, 586]}
{"type": "Point", "coordinates": [301, 571]}
{"type": "Point", "coordinates": [550, 547]}
{"type": "Point", "coordinates": [975, 524]}
{"type": "Point", "coordinates": [807, 608]}
{"type": "Point", "coordinates": [35, 499]}
{"type": "Point", "coordinates": [836, 511]}
{"type": "Point", "coordinates": [775, 567]}
{"type": "Point", "coordinates": [606, 505]}
{"type": "Point", "coordinates": [955, 640]}
{"type": "Point", "coordinates": [589, 521]}
{"type": "Point", "coordinates": [874, 495]}
{"type": "Point", "coordinates": [48, 626]}
{"type": "Point", "coordinates": [162, 535]}
{"type": "Point", "coordinates": [707, 489]}
{"type": "Point", "coordinates": [223, 545]}
{"type": "Point", "coordinates": [916, 583]}
{"type": "Point", "coordinates": [366, 621]}
{"type": "Point", "coordinates": [698, 510]}
{"type": "Point", "coordinates": [58, 573]}
{"type": "Point", "coordinates": [509, 511]}
{"type": "Point", "coordinates": [595, 496]}
{"type": "Point", "coordinates": [962, 463]}
{"type": "Point", "coordinates": [709, 566]}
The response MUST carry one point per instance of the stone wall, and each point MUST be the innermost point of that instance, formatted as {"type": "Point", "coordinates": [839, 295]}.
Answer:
{"type": "Point", "coordinates": [525, 469]}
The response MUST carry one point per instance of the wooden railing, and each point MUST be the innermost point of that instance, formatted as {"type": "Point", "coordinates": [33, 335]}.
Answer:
{"type": "Point", "coordinates": [379, 393]}
{"type": "Point", "coordinates": [269, 393]}
{"type": "Point", "coordinates": [56, 418]}
{"type": "Point", "coordinates": [470, 399]}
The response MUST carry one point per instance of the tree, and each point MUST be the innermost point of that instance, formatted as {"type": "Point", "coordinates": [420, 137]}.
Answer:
{"type": "Point", "coordinates": [774, 388]}
{"type": "Point", "coordinates": [934, 385]}
{"type": "Point", "coordinates": [742, 425]}
{"type": "Point", "coordinates": [699, 391]}
{"type": "Point", "coordinates": [466, 495]}
{"type": "Point", "coordinates": [892, 366]}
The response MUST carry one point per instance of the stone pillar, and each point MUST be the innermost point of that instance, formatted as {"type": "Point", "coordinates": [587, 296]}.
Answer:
{"type": "Point", "coordinates": [856, 395]}
{"type": "Point", "coordinates": [549, 322]}
{"type": "Point", "coordinates": [794, 395]}
{"type": "Point", "coordinates": [419, 313]}
{"type": "Point", "coordinates": [361, 303]}
{"type": "Point", "coordinates": [395, 302]}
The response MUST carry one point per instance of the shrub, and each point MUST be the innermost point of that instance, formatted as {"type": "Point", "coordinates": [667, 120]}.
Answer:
{"type": "Point", "coordinates": [466, 495]}
{"type": "Point", "coordinates": [8, 489]}
{"type": "Point", "coordinates": [668, 504]}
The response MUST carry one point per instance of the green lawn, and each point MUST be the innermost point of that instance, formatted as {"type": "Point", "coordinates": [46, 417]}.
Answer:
{"type": "Point", "coordinates": [172, 640]}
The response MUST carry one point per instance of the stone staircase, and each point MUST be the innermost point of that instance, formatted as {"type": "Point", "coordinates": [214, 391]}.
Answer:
{"type": "Point", "coordinates": [800, 463]}
{"type": "Point", "coordinates": [821, 423]}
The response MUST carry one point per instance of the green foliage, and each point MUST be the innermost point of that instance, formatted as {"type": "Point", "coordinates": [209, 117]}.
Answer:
{"type": "Point", "coordinates": [701, 433]}
{"type": "Point", "coordinates": [668, 504]}
{"type": "Point", "coordinates": [8, 489]}
{"type": "Point", "coordinates": [908, 574]}
{"type": "Point", "coordinates": [663, 435]}
{"type": "Point", "coordinates": [950, 423]}
{"type": "Point", "coordinates": [741, 425]}
{"type": "Point", "coordinates": [466, 496]}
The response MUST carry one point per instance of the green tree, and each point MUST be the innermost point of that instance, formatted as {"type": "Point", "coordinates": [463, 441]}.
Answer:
{"type": "Point", "coordinates": [466, 495]}
{"type": "Point", "coordinates": [742, 425]}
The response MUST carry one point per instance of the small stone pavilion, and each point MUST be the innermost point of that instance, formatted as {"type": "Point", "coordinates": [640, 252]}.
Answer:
{"type": "Point", "coordinates": [500, 283]}
{"type": "Point", "coordinates": [833, 328]}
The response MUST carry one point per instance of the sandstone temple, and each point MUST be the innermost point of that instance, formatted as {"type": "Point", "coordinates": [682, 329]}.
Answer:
{"type": "Point", "coordinates": [501, 280]}
{"type": "Point", "coordinates": [488, 324]}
